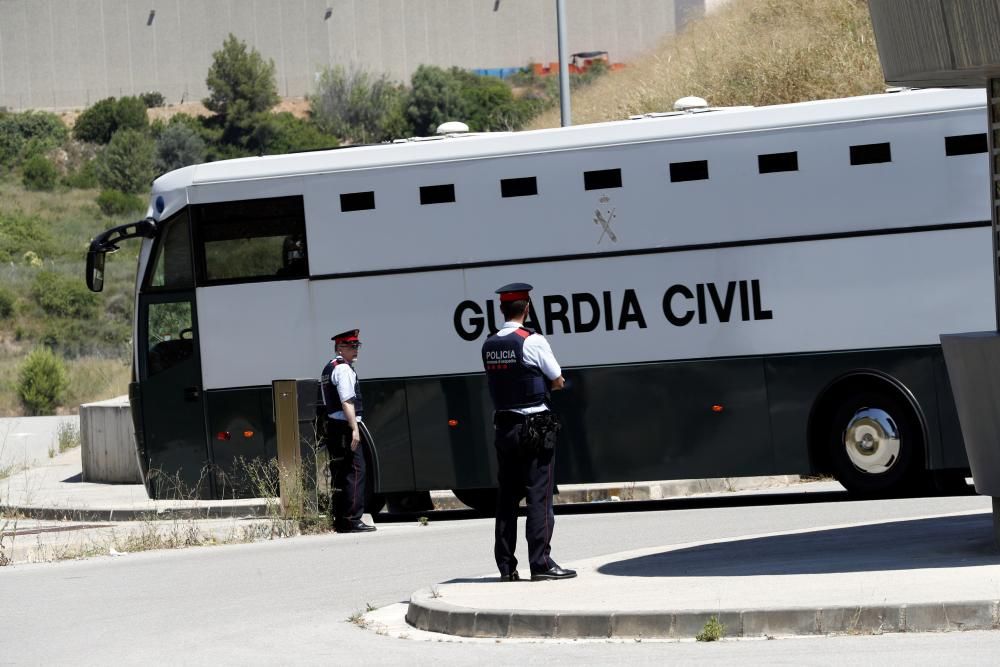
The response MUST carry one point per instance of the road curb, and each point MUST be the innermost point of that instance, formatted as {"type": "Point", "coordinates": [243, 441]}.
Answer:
{"type": "Point", "coordinates": [428, 612]}
{"type": "Point", "coordinates": [656, 490]}
{"type": "Point", "coordinates": [257, 510]}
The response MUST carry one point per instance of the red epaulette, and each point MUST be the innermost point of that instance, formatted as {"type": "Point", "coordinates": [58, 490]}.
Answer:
{"type": "Point", "coordinates": [522, 332]}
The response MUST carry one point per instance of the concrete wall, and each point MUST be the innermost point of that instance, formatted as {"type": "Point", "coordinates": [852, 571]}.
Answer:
{"type": "Point", "coordinates": [71, 53]}
{"type": "Point", "coordinates": [107, 442]}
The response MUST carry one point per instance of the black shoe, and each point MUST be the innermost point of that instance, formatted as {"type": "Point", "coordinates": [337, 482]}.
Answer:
{"type": "Point", "coordinates": [513, 576]}
{"type": "Point", "coordinates": [356, 527]}
{"type": "Point", "coordinates": [554, 572]}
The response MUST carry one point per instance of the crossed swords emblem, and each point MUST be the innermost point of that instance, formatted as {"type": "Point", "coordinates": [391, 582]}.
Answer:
{"type": "Point", "coordinates": [605, 223]}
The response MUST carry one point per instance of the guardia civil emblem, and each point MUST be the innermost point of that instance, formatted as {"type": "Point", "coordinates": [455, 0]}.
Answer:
{"type": "Point", "coordinates": [603, 215]}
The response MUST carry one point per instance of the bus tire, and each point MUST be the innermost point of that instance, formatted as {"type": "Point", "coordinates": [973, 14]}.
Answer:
{"type": "Point", "coordinates": [484, 501]}
{"type": "Point", "coordinates": [876, 444]}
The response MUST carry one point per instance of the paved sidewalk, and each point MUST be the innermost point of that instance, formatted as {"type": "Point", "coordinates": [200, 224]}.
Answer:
{"type": "Point", "coordinates": [929, 574]}
{"type": "Point", "coordinates": [52, 514]}
{"type": "Point", "coordinates": [55, 491]}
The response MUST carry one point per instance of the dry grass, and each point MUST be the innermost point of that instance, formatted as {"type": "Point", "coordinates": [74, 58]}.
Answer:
{"type": "Point", "coordinates": [756, 52]}
{"type": "Point", "coordinates": [96, 379]}
{"type": "Point", "coordinates": [90, 379]}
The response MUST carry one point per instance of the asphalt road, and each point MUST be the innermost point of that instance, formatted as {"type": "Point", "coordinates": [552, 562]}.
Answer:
{"type": "Point", "coordinates": [288, 601]}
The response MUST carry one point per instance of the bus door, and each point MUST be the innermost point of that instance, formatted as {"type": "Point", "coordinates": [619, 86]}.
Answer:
{"type": "Point", "coordinates": [171, 400]}
{"type": "Point", "coordinates": [172, 403]}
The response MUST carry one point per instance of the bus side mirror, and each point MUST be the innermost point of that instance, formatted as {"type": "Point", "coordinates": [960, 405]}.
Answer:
{"type": "Point", "coordinates": [95, 270]}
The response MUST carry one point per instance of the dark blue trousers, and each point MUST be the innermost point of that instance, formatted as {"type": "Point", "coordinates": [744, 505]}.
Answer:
{"type": "Point", "coordinates": [347, 474]}
{"type": "Point", "coordinates": [524, 472]}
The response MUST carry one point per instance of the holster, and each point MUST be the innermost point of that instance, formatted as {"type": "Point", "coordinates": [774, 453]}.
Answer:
{"type": "Point", "coordinates": [541, 430]}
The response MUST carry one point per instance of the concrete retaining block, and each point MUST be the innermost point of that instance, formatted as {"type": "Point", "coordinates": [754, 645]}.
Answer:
{"type": "Point", "coordinates": [107, 441]}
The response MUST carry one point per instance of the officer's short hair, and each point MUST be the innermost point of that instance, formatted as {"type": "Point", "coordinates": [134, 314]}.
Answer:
{"type": "Point", "coordinates": [513, 308]}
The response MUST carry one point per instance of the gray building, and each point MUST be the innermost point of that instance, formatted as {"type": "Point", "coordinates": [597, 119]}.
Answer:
{"type": "Point", "coordinates": [70, 53]}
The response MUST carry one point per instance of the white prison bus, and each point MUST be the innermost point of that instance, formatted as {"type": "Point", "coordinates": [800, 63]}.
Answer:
{"type": "Point", "coordinates": [731, 292]}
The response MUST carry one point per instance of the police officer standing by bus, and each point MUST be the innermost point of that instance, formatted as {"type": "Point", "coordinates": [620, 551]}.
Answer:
{"type": "Point", "coordinates": [344, 410]}
{"type": "Point", "coordinates": [520, 371]}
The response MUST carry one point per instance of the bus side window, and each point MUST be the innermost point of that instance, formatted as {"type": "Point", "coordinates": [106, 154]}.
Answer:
{"type": "Point", "coordinates": [251, 240]}
{"type": "Point", "coordinates": [170, 336]}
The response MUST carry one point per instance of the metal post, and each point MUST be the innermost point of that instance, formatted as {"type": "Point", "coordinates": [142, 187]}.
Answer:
{"type": "Point", "coordinates": [563, 64]}
{"type": "Point", "coordinates": [286, 422]}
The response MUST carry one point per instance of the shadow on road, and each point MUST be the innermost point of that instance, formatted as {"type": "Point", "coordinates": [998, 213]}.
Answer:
{"type": "Point", "coordinates": [958, 541]}
{"type": "Point", "coordinates": [779, 498]}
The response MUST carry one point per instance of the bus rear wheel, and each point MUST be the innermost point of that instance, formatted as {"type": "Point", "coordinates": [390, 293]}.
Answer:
{"type": "Point", "coordinates": [484, 501]}
{"type": "Point", "coordinates": [876, 444]}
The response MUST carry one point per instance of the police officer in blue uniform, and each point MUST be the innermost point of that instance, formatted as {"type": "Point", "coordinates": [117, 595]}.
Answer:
{"type": "Point", "coordinates": [520, 371]}
{"type": "Point", "coordinates": [344, 411]}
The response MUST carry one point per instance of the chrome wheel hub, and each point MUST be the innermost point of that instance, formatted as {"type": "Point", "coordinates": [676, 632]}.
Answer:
{"type": "Point", "coordinates": [871, 440]}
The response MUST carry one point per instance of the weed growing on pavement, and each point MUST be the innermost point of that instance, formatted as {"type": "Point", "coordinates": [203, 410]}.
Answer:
{"type": "Point", "coordinates": [370, 607]}
{"type": "Point", "coordinates": [713, 631]}
{"type": "Point", "coordinates": [423, 521]}
{"type": "Point", "coordinates": [5, 524]}
{"type": "Point", "coordinates": [435, 593]}
{"type": "Point", "coordinates": [6, 469]}
{"type": "Point", "coordinates": [358, 619]}
{"type": "Point", "coordinates": [68, 436]}
{"type": "Point", "coordinates": [299, 510]}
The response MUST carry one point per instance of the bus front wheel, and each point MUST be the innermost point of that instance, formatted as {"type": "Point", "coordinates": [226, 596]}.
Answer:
{"type": "Point", "coordinates": [876, 444]}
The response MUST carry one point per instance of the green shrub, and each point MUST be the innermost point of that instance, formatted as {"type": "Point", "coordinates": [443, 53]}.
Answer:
{"type": "Point", "coordinates": [152, 99]}
{"type": "Point", "coordinates": [359, 106]}
{"type": "Point", "coordinates": [62, 296]}
{"type": "Point", "coordinates": [130, 114]}
{"type": "Point", "coordinates": [20, 233]}
{"type": "Point", "coordinates": [28, 133]}
{"type": "Point", "coordinates": [99, 122]}
{"type": "Point", "coordinates": [178, 145]}
{"type": "Point", "coordinates": [41, 382]}
{"type": "Point", "coordinates": [74, 338]}
{"type": "Point", "coordinates": [275, 134]}
{"type": "Point", "coordinates": [115, 202]}
{"type": "Point", "coordinates": [126, 163]}
{"type": "Point", "coordinates": [39, 173]}
{"type": "Point", "coordinates": [7, 299]}
{"type": "Point", "coordinates": [84, 178]}
{"type": "Point", "coordinates": [435, 98]}
{"type": "Point", "coordinates": [11, 141]}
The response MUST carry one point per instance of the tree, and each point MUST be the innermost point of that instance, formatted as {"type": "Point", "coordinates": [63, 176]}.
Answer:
{"type": "Point", "coordinates": [275, 134]}
{"type": "Point", "coordinates": [178, 146]}
{"type": "Point", "coordinates": [126, 163]}
{"type": "Point", "coordinates": [489, 103]}
{"type": "Point", "coordinates": [359, 106]}
{"type": "Point", "coordinates": [241, 86]}
{"type": "Point", "coordinates": [99, 122]}
{"type": "Point", "coordinates": [435, 98]}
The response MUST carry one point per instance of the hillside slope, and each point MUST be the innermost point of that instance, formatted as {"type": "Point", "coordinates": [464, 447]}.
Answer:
{"type": "Point", "coordinates": [755, 52]}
